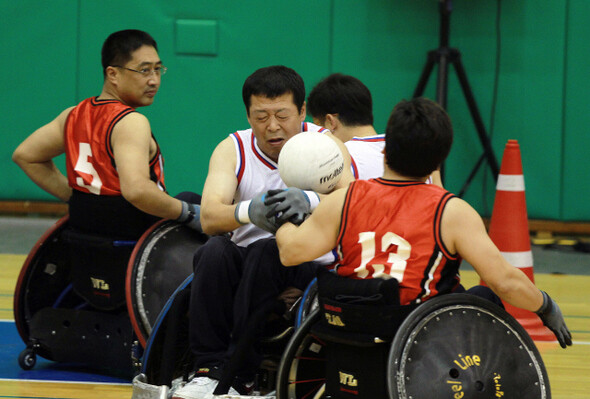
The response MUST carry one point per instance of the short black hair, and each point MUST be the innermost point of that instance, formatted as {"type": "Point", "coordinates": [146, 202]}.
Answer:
{"type": "Point", "coordinates": [418, 137]}
{"type": "Point", "coordinates": [117, 48]}
{"type": "Point", "coordinates": [272, 82]}
{"type": "Point", "coordinates": [344, 95]}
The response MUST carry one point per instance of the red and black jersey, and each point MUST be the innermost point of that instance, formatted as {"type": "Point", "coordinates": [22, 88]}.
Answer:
{"type": "Point", "coordinates": [90, 160]}
{"type": "Point", "coordinates": [392, 229]}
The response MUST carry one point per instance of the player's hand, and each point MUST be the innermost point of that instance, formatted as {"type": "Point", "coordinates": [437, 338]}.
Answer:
{"type": "Point", "coordinates": [552, 317]}
{"type": "Point", "coordinates": [190, 215]}
{"type": "Point", "coordinates": [292, 204]}
{"type": "Point", "coordinates": [259, 213]}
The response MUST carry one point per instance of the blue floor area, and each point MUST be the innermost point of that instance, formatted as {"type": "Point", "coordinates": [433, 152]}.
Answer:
{"type": "Point", "coordinates": [11, 346]}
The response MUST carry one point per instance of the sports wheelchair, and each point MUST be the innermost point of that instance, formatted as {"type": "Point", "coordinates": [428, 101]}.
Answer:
{"type": "Point", "coordinates": [93, 300]}
{"type": "Point", "coordinates": [352, 339]}
{"type": "Point", "coordinates": [166, 361]}
{"type": "Point", "coordinates": [361, 344]}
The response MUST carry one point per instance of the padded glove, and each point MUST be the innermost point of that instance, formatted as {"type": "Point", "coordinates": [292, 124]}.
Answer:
{"type": "Point", "coordinates": [292, 204]}
{"type": "Point", "coordinates": [552, 317]}
{"type": "Point", "coordinates": [255, 211]}
{"type": "Point", "coordinates": [190, 215]}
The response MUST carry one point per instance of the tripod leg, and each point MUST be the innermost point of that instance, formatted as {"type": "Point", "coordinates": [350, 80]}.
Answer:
{"type": "Point", "coordinates": [443, 74]}
{"type": "Point", "coordinates": [471, 175]}
{"type": "Point", "coordinates": [426, 71]}
{"type": "Point", "coordinates": [483, 137]}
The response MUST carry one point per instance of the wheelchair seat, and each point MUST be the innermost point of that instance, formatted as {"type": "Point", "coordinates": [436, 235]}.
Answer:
{"type": "Point", "coordinates": [97, 267]}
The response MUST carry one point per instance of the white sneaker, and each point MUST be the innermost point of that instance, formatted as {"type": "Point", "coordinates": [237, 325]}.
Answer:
{"type": "Point", "coordinates": [200, 388]}
{"type": "Point", "coordinates": [229, 396]}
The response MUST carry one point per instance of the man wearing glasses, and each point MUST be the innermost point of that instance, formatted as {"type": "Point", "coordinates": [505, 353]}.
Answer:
{"type": "Point", "coordinates": [115, 178]}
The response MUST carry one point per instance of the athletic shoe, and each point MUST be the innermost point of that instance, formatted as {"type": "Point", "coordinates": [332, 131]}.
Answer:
{"type": "Point", "coordinates": [243, 397]}
{"type": "Point", "coordinates": [200, 388]}
{"type": "Point", "coordinates": [243, 388]}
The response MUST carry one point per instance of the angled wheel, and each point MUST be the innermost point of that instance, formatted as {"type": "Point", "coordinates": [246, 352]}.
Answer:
{"type": "Point", "coordinates": [43, 280]}
{"type": "Point", "coordinates": [302, 372]}
{"type": "Point", "coordinates": [167, 355]}
{"type": "Point", "coordinates": [463, 345]}
{"type": "Point", "coordinates": [309, 303]}
{"type": "Point", "coordinates": [161, 261]}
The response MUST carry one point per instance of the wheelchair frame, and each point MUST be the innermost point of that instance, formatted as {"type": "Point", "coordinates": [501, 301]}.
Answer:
{"type": "Point", "coordinates": [44, 284]}
{"type": "Point", "coordinates": [301, 372]}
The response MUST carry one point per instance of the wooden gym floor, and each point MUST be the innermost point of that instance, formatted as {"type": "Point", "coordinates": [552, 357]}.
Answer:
{"type": "Point", "coordinates": [565, 275]}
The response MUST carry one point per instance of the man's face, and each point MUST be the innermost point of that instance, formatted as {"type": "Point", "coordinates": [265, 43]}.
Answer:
{"type": "Point", "coordinates": [136, 89]}
{"type": "Point", "coordinates": [274, 121]}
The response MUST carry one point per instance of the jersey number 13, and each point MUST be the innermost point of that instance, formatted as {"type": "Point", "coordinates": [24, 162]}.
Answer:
{"type": "Point", "coordinates": [396, 260]}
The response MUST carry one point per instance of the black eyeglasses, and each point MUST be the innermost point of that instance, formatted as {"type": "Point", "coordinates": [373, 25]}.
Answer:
{"type": "Point", "coordinates": [146, 72]}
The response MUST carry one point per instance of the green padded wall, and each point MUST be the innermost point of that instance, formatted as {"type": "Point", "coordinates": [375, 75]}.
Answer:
{"type": "Point", "coordinates": [52, 55]}
{"type": "Point", "coordinates": [575, 187]}
{"type": "Point", "coordinates": [39, 81]}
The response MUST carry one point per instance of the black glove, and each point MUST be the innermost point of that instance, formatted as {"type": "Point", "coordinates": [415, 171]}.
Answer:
{"type": "Point", "coordinates": [552, 317]}
{"type": "Point", "coordinates": [258, 213]}
{"type": "Point", "coordinates": [190, 215]}
{"type": "Point", "coordinates": [292, 204]}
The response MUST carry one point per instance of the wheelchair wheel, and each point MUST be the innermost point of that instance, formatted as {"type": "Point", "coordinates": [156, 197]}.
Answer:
{"type": "Point", "coordinates": [43, 279]}
{"type": "Point", "coordinates": [460, 345]}
{"type": "Point", "coordinates": [309, 303]}
{"type": "Point", "coordinates": [27, 359]}
{"type": "Point", "coordinates": [161, 261]}
{"type": "Point", "coordinates": [167, 355]}
{"type": "Point", "coordinates": [302, 369]}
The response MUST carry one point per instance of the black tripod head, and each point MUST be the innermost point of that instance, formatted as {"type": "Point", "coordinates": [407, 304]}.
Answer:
{"type": "Point", "coordinates": [444, 8]}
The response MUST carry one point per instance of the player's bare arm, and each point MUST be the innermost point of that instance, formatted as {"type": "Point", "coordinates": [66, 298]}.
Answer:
{"type": "Point", "coordinates": [131, 140]}
{"type": "Point", "coordinates": [314, 237]}
{"type": "Point", "coordinates": [463, 231]}
{"type": "Point", "coordinates": [217, 207]}
{"type": "Point", "coordinates": [35, 157]}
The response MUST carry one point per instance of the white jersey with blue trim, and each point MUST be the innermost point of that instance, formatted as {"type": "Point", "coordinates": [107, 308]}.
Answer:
{"type": "Point", "coordinates": [366, 157]}
{"type": "Point", "coordinates": [256, 173]}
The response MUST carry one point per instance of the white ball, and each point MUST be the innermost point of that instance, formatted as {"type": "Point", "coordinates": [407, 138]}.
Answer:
{"type": "Point", "coordinates": [311, 161]}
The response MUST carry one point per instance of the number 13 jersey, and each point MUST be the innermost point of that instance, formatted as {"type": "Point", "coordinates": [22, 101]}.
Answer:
{"type": "Point", "coordinates": [392, 229]}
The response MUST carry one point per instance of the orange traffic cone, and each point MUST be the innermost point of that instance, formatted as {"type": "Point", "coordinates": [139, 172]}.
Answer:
{"type": "Point", "coordinates": [509, 230]}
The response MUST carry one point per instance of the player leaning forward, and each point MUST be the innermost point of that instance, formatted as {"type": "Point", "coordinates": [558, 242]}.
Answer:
{"type": "Point", "coordinates": [394, 216]}
{"type": "Point", "coordinates": [237, 274]}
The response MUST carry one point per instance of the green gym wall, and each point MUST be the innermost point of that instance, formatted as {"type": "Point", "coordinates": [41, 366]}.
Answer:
{"type": "Point", "coordinates": [527, 61]}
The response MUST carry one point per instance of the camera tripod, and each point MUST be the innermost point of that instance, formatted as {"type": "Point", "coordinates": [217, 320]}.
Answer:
{"type": "Point", "coordinates": [443, 56]}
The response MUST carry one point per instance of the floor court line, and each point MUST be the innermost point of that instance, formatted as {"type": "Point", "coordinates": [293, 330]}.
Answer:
{"type": "Point", "coordinates": [67, 382]}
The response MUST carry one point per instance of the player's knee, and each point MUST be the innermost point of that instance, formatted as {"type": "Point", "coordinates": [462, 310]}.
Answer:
{"type": "Point", "coordinates": [217, 253]}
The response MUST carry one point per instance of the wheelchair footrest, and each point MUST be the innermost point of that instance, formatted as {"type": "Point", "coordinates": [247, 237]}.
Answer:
{"type": "Point", "coordinates": [143, 390]}
{"type": "Point", "coordinates": [80, 336]}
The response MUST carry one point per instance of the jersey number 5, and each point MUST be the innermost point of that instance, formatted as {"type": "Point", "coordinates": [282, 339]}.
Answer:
{"type": "Point", "coordinates": [396, 261]}
{"type": "Point", "coordinates": [83, 165]}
